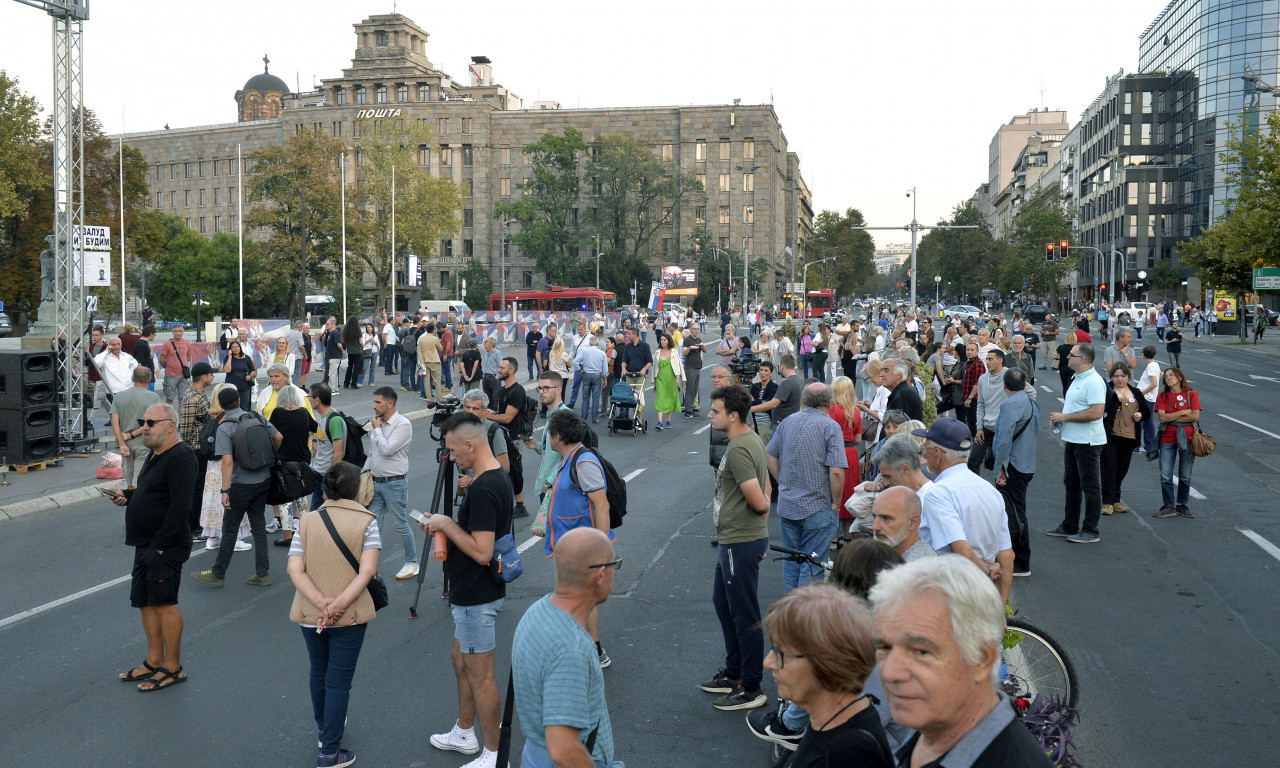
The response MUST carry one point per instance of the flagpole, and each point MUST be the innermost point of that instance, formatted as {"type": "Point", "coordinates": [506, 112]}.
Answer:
{"type": "Point", "coordinates": [393, 241]}
{"type": "Point", "coordinates": [122, 276]}
{"type": "Point", "coordinates": [342, 163]}
{"type": "Point", "coordinates": [240, 222]}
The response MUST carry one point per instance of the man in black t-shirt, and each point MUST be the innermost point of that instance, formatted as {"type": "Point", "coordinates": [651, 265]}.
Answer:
{"type": "Point", "coordinates": [333, 352]}
{"type": "Point", "coordinates": [509, 412]}
{"type": "Point", "coordinates": [475, 597]}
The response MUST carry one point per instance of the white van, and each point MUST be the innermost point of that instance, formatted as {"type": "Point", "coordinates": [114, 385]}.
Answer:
{"type": "Point", "coordinates": [438, 306]}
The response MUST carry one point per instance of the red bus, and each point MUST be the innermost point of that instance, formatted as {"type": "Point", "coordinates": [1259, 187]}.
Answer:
{"type": "Point", "coordinates": [557, 299]}
{"type": "Point", "coordinates": [819, 303]}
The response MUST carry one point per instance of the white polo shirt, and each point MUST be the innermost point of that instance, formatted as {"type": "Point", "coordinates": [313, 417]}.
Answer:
{"type": "Point", "coordinates": [961, 505]}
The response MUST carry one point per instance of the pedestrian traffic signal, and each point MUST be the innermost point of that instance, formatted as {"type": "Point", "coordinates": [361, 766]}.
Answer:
{"type": "Point", "coordinates": [1062, 249]}
{"type": "Point", "coordinates": [1048, 252]}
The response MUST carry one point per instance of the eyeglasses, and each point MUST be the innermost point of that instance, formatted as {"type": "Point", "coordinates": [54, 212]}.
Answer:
{"type": "Point", "coordinates": [782, 656]}
{"type": "Point", "coordinates": [151, 422]}
{"type": "Point", "coordinates": [615, 565]}
{"type": "Point", "coordinates": [1073, 354]}
{"type": "Point", "coordinates": [547, 389]}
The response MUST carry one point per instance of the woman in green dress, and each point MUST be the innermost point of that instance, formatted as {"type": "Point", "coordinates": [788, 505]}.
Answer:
{"type": "Point", "coordinates": [667, 381]}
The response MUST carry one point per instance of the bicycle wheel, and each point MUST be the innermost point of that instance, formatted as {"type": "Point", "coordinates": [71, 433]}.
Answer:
{"type": "Point", "coordinates": [1038, 665]}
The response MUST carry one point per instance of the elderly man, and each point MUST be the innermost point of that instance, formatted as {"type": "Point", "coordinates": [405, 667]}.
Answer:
{"type": "Point", "coordinates": [943, 683]}
{"type": "Point", "coordinates": [573, 345]}
{"type": "Point", "coordinates": [903, 395]}
{"type": "Point", "coordinates": [1120, 353]}
{"type": "Point", "coordinates": [899, 463]}
{"type": "Point", "coordinates": [592, 366]}
{"type": "Point", "coordinates": [127, 409]}
{"type": "Point", "coordinates": [296, 348]}
{"type": "Point", "coordinates": [1019, 356]}
{"type": "Point", "coordinates": [1083, 437]}
{"type": "Point", "coordinates": [963, 513]}
{"type": "Point", "coordinates": [985, 344]}
{"type": "Point", "coordinates": [116, 367]}
{"type": "Point", "coordinates": [990, 397]}
{"type": "Point", "coordinates": [278, 376]}
{"type": "Point", "coordinates": [155, 521]}
{"type": "Point", "coordinates": [897, 522]}
{"type": "Point", "coordinates": [810, 480]}
{"type": "Point", "coordinates": [175, 357]}
{"type": "Point", "coordinates": [1014, 445]}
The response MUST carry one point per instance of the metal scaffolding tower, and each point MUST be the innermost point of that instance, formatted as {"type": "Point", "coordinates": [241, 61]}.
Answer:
{"type": "Point", "coordinates": [68, 206]}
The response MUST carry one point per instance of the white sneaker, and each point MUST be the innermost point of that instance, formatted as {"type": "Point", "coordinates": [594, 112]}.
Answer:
{"type": "Point", "coordinates": [464, 741]}
{"type": "Point", "coordinates": [408, 571]}
{"type": "Point", "coordinates": [273, 526]}
{"type": "Point", "coordinates": [212, 543]}
{"type": "Point", "coordinates": [242, 546]}
{"type": "Point", "coordinates": [486, 759]}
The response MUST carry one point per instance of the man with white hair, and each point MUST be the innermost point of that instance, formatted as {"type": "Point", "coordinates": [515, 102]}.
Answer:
{"type": "Point", "coordinates": [962, 512]}
{"type": "Point", "coordinates": [899, 380]}
{"type": "Point", "coordinates": [592, 366]}
{"type": "Point", "coordinates": [278, 375]}
{"type": "Point", "coordinates": [938, 630]}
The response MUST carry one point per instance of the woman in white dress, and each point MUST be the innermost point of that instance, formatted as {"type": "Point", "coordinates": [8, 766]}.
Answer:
{"type": "Point", "coordinates": [211, 501]}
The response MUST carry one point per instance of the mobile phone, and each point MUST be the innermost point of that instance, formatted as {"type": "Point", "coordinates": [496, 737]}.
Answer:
{"type": "Point", "coordinates": [416, 515]}
{"type": "Point", "coordinates": [110, 493]}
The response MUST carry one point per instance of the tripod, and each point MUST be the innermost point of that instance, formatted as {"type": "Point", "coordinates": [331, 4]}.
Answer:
{"type": "Point", "coordinates": [441, 503]}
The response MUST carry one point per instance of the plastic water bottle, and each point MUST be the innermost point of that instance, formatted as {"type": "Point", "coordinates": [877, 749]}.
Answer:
{"type": "Point", "coordinates": [1057, 427]}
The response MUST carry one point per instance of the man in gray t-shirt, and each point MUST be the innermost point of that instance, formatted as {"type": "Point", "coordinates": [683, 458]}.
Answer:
{"type": "Point", "coordinates": [244, 492]}
{"type": "Point", "coordinates": [788, 395]}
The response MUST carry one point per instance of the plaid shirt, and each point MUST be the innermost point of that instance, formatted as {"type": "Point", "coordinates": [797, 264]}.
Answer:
{"type": "Point", "coordinates": [973, 371]}
{"type": "Point", "coordinates": [194, 405]}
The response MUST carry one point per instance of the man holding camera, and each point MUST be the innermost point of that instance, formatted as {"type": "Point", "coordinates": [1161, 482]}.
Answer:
{"type": "Point", "coordinates": [510, 414]}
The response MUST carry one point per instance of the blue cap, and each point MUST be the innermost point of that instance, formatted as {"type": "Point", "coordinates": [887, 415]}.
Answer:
{"type": "Point", "coordinates": [948, 433]}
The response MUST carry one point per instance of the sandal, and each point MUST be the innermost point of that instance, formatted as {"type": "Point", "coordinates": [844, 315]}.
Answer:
{"type": "Point", "coordinates": [167, 679]}
{"type": "Point", "coordinates": [130, 677]}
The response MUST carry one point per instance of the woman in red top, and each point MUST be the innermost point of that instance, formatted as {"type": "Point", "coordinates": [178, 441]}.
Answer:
{"type": "Point", "coordinates": [1178, 407]}
{"type": "Point", "coordinates": [844, 409]}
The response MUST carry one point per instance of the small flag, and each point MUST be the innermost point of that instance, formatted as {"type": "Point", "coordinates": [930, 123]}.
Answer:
{"type": "Point", "coordinates": [788, 250]}
{"type": "Point", "coordinates": [656, 294]}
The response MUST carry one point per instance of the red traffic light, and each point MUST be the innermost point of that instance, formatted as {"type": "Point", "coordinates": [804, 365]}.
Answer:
{"type": "Point", "coordinates": [1048, 252]}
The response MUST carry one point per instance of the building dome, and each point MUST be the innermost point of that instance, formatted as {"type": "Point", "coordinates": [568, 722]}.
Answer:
{"type": "Point", "coordinates": [265, 83]}
{"type": "Point", "coordinates": [262, 96]}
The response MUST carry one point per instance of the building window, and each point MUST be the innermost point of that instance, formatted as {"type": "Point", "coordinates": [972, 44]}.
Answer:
{"type": "Point", "coordinates": [724, 214]}
{"type": "Point", "coordinates": [382, 94]}
{"type": "Point", "coordinates": [337, 128]}
{"type": "Point", "coordinates": [748, 215]}
{"type": "Point", "coordinates": [204, 168]}
{"type": "Point", "coordinates": [187, 222]}
{"type": "Point", "coordinates": [528, 190]}
{"type": "Point", "coordinates": [402, 93]}
{"type": "Point", "coordinates": [468, 217]}
{"type": "Point", "coordinates": [446, 156]}
{"type": "Point", "coordinates": [173, 170]}
{"type": "Point", "coordinates": [504, 187]}
{"type": "Point", "coordinates": [186, 198]}
{"type": "Point", "coordinates": [700, 214]}
{"type": "Point", "coordinates": [527, 279]}
{"type": "Point", "coordinates": [1128, 103]}
{"type": "Point", "coordinates": [217, 196]}
{"type": "Point", "coordinates": [1128, 135]}
{"type": "Point", "coordinates": [159, 172]}
{"type": "Point", "coordinates": [424, 156]}
{"type": "Point", "coordinates": [1133, 225]}
{"type": "Point", "coordinates": [748, 149]}
{"type": "Point", "coordinates": [751, 245]}
{"type": "Point", "coordinates": [468, 154]}
{"type": "Point", "coordinates": [724, 243]}
{"type": "Point", "coordinates": [666, 246]}
{"type": "Point", "coordinates": [1146, 133]}
{"type": "Point", "coordinates": [466, 125]}
{"type": "Point", "coordinates": [468, 249]}
{"type": "Point", "coordinates": [233, 222]}
{"type": "Point", "coordinates": [724, 149]}
{"type": "Point", "coordinates": [666, 152]}
{"type": "Point", "coordinates": [217, 223]}
{"type": "Point", "coordinates": [444, 125]}
{"type": "Point", "coordinates": [202, 196]}
{"type": "Point", "coordinates": [748, 182]}
{"type": "Point", "coordinates": [1131, 189]}
{"type": "Point", "coordinates": [700, 151]}
{"type": "Point", "coordinates": [504, 156]}
{"type": "Point", "coordinates": [159, 199]}
{"type": "Point", "coordinates": [468, 187]}
{"type": "Point", "coordinates": [1151, 225]}
{"type": "Point", "coordinates": [362, 96]}
{"type": "Point", "coordinates": [724, 182]}
{"type": "Point", "coordinates": [341, 96]}
{"type": "Point", "coordinates": [231, 194]}
{"type": "Point", "coordinates": [202, 225]}
{"type": "Point", "coordinates": [446, 249]}
{"type": "Point", "coordinates": [382, 38]}
{"type": "Point", "coordinates": [1153, 190]}
{"type": "Point", "coordinates": [189, 170]}
{"type": "Point", "coordinates": [424, 92]}
{"type": "Point", "coordinates": [1146, 102]}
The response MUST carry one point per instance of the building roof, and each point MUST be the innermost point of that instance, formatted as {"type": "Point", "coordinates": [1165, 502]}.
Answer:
{"type": "Point", "coordinates": [262, 83]}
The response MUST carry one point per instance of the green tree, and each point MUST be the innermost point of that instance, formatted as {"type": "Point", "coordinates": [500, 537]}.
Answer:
{"type": "Point", "coordinates": [19, 152]}
{"type": "Point", "coordinates": [427, 209]}
{"type": "Point", "coordinates": [966, 259]}
{"type": "Point", "coordinates": [1041, 219]}
{"type": "Point", "coordinates": [480, 284]}
{"type": "Point", "coordinates": [548, 230]}
{"type": "Point", "coordinates": [853, 270]}
{"type": "Point", "coordinates": [298, 183]}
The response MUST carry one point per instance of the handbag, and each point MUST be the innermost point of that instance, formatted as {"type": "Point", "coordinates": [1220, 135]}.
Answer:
{"type": "Point", "coordinates": [290, 480]}
{"type": "Point", "coordinates": [506, 565]}
{"type": "Point", "coordinates": [869, 426]}
{"type": "Point", "coordinates": [1201, 444]}
{"type": "Point", "coordinates": [186, 369]}
{"type": "Point", "coordinates": [366, 488]}
{"type": "Point", "coordinates": [377, 587]}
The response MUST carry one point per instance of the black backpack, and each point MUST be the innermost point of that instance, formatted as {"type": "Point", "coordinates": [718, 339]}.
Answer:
{"type": "Point", "coordinates": [529, 415]}
{"type": "Point", "coordinates": [252, 446]}
{"type": "Point", "coordinates": [615, 488]}
{"type": "Point", "coordinates": [207, 438]}
{"type": "Point", "coordinates": [353, 451]}
{"type": "Point", "coordinates": [408, 343]}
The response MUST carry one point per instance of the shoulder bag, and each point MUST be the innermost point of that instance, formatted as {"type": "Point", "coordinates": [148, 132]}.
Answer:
{"type": "Point", "coordinates": [1201, 444]}
{"type": "Point", "coordinates": [506, 565]}
{"type": "Point", "coordinates": [186, 369]}
{"type": "Point", "coordinates": [377, 587]}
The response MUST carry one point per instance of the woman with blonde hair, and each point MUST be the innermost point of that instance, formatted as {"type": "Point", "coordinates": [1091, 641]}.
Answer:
{"type": "Point", "coordinates": [211, 508]}
{"type": "Point", "coordinates": [559, 361]}
{"type": "Point", "coordinates": [844, 410]}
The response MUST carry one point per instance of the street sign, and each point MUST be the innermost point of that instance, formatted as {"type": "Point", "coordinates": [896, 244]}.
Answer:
{"type": "Point", "coordinates": [1266, 279]}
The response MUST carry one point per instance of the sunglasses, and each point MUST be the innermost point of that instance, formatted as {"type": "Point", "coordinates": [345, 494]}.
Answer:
{"type": "Point", "coordinates": [615, 565]}
{"type": "Point", "coordinates": [151, 422]}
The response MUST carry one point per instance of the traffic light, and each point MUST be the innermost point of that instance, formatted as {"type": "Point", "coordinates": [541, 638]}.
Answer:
{"type": "Point", "coordinates": [1048, 252]}
{"type": "Point", "coordinates": [1102, 287]}
{"type": "Point", "coordinates": [730, 289]}
{"type": "Point", "coordinates": [1062, 249]}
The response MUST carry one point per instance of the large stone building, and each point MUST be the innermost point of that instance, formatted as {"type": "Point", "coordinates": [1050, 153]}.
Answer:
{"type": "Point", "coordinates": [756, 198]}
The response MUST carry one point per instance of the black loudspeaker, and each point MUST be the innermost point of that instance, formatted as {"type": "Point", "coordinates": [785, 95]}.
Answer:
{"type": "Point", "coordinates": [27, 379]}
{"type": "Point", "coordinates": [29, 434]}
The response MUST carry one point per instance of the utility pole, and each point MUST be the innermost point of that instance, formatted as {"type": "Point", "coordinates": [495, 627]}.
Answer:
{"type": "Point", "coordinates": [914, 227]}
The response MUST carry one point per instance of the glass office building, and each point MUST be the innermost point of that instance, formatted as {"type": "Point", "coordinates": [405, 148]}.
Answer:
{"type": "Point", "coordinates": [1220, 53]}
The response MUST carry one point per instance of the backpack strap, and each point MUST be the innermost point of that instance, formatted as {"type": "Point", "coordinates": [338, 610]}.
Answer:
{"type": "Point", "coordinates": [329, 420]}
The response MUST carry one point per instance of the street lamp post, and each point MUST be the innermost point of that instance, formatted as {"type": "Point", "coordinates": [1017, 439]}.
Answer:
{"type": "Point", "coordinates": [597, 262]}
{"type": "Point", "coordinates": [937, 289]}
{"type": "Point", "coordinates": [502, 257]}
{"type": "Point", "coordinates": [199, 301]}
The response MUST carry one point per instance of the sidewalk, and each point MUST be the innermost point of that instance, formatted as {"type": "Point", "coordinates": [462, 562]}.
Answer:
{"type": "Point", "coordinates": [1269, 345]}
{"type": "Point", "coordinates": [73, 480]}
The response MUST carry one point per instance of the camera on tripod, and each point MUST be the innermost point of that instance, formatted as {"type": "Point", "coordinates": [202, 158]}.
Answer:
{"type": "Point", "coordinates": [744, 366]}
{"type": "Point", "coordinates": [445, 407]}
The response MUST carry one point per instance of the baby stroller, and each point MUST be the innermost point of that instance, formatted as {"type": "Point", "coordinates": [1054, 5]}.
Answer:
{"type": "Point", "coordinates": [626, 410]}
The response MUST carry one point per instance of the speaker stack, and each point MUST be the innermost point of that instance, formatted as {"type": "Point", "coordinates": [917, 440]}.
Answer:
{"type": "Point", "coordinates": [28, 407]}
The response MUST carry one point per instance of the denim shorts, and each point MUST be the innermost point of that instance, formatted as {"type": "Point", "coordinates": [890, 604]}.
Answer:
{"type": "Point", "coordinates": [473, 626]}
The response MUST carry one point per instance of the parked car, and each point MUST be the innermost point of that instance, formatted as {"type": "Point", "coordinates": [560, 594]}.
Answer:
{"type": "Point", "coordinates": [1132, 309]}
{"type": "Point", "coordinates": [960, 312]}
{"type": "Point", "coordinates": [1250, 311]}
{"type": "Point", "coordinates": [1036, 313]}
{"type": "Point", "coordinates": [5, 328]}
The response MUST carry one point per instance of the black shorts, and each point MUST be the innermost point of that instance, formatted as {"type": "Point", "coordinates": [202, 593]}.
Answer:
{"type": "Point", "coordinates": [156, 576]}
{"type": "Point", "coordinates": [517, 467]}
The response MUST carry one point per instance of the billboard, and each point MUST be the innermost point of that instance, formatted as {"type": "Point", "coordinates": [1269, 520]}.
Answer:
{"type": "Point", "coordinates": [1225, 305]}
{"type": "Point", "coordinates": [680, 280]}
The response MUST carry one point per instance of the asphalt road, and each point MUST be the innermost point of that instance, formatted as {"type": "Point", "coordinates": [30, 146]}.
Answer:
{"type": "Point", "coordinates": [1172, 624]}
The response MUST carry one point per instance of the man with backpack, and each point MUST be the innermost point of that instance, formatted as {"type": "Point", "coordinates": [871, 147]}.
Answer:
{"type": "Point", "coordinates": [193, 412]}
{"type": "Point", "coordinates": [408, 356]}
{"type": "Point", "coordinates": [579, 494]}
{"type": "Point", "coordinates": [246, 443]}
{"type": "Point", "coordinates": [511, 412]}
{"type": "Point", "coordinates": [335, 442]}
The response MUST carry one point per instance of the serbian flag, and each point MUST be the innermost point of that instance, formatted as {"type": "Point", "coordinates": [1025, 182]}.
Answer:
{"type": "Point", "coordinates": [656, 294]}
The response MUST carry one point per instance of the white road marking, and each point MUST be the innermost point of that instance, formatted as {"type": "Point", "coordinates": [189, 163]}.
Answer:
{"type": "Point", "coordinates": [1268, 547]}
{"type": "Point", "coordinates": [1194, 493]}
{"type": "Point", "coordinates": [14, 619]}
{"type": "Point", "coordinates": [1264, 378]}
{"type": "Point", "coordinates": [1062, 400]}
{"type": "Point", "coordinates": [1224, 378]}
{"type": "Point", "coordinates": [704, 429]}
{"type": "Point", "coordinates": [528, 543]}
{"type": "Point", "coordinates": [1250, 426]}
{"type": "Point", "coordinates": [633, 475]}
{"type": "Point", "coordinates": [1046, 389]}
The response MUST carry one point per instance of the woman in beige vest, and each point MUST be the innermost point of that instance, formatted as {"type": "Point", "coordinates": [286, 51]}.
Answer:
{"type": "Point", "coordinates": [332, 603]}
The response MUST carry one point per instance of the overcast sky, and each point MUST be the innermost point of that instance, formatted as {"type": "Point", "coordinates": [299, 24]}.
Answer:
{"type": "Point", "coordinates": [875, 97]}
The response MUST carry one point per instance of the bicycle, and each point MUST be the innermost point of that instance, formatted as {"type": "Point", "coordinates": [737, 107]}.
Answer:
{"type": "Point", "coordinates": [1035, 664]}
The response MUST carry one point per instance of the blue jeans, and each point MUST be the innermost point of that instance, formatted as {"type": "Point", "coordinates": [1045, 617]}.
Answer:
{"type": "Point", "coordinates": [531, 365]}
{"type": "Point", "coordinates": [591, 385]}
{"type": "Point", "coordinates": [812, 534]}
{"type": "Point", "coordinates": [1149, 436]}
{"type": "Point", "coordinates": [734, 594]}
{"type": "Point", "coordinates": [804, 366]}
{"type": "Point", "coordinates": [446, 371]}
{"type": "Point", "coordinates": [333, 653]}
{"type": "Point", "coordinates": [408, 371]}
{"type": "Point", "coordinates": [391, 497]}
{"type": "Point", "coordinates": [1169, 453]}
{"type": "Point", "coordinates": [369, 365]}
{"type": "Point", "coordinates": [389, 356]}
{"type": "Point", "coordinates": [317, 498]}
{"type": "Point", "coordinates": [577, 386]}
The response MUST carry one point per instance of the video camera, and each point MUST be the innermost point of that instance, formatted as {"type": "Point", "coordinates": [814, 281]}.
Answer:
{"type": "Point", "coordinates": [744, 365]}
{"type": "Point", "coordinates": [445, 407]}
